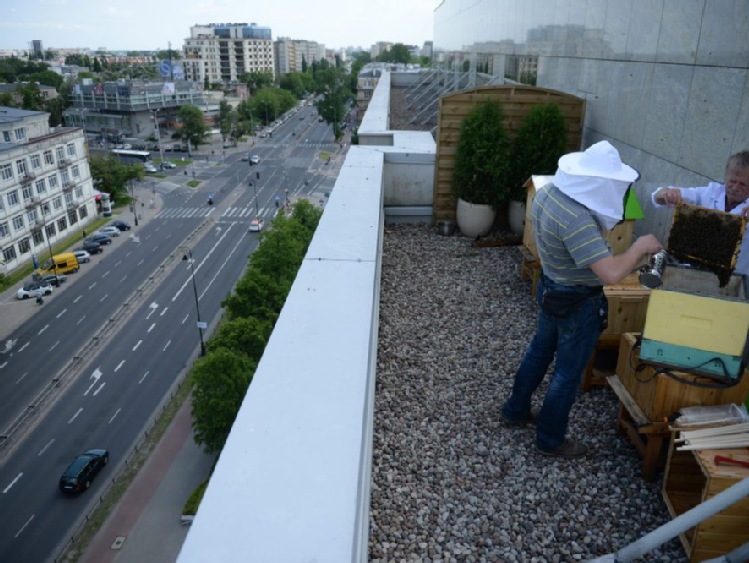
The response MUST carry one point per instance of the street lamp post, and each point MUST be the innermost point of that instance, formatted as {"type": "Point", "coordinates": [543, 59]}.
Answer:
{"type": "Point", "coordinates": [188, 257]}
{"type": "Point", "coordinates": [135, 207]}
{"type": "Point", "coordinates": [158, 134]}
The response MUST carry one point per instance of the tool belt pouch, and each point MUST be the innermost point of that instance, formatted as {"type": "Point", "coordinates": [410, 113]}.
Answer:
{"type": "Point", "coordinates": [561, 304]}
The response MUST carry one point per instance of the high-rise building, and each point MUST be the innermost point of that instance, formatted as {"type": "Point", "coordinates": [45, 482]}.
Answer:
{"type": "Point", "coordinates": [291, 52]}
{"type": "Point", "coordinates": [36, 50]}
{"type": "Point", "coordinates": [220, 53]}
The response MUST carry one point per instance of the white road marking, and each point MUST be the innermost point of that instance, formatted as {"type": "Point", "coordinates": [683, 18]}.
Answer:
{"type": "Point", "coordinates": [92, 285]}
{"type": "Point", "coordinates": [44, 449]}
{"type": "Point", "coordinates": [117, 263]}
{"type": "Point", "coordinates": [3, 365]}
{"type": "Point", "coordinates": [61, 313]}
{"type": "Point", "coordinates": [167, 346]}
{"type": "Point", "coordinates": [13, 482]}
{"type": "Point", "coordinates": [19, 532]}
{"type": "Point", "coordinates": [164, 311]}
{"type": "Point", "coordinates": [42, 330]}
{"type": "Point", "coordinates": [155, 248]}
{"type": "Point", "coordinates": [22, 348]}
{"type": "Point", "coordinates": [105, 274]}
{"type": "Point", "coordinates": [142, 378]}
{"type": "Point", "coordinates": [187, 316]}
{"type": "Point", "coordinates": [80, 320]}
{"type": "Point", "coordinates": [119, 365]}
{"type": "Point", "coordinates": [54, 345]}
{"type": "Point", "coordinates": [150, 328]}
{"type": "Point", "coordinates": [103, 298]}
{"type": "Point", "coordinates": [79, 411]}
{"type": "Point", "coordinates": [103, 383]}
{"type": "Point", "coordinates": [153, 306]}
{"type": "Point", "coordinates": [20, 378]}
{"type": "Point", "coordinates": [136, 346]}
{"type": "Point", "coordinates": [95, 376]}
{"type": "Point", "coordinates": [193, 270]}
{"type": "Point", "coordinates": [114, 415]}
{"type": "Point", "coordinates": [141, 262]}
{"type": "Point", "coordinates": [128, 254]}
{"type": "Point", "coordinates": [123, 279]}
{"type": "Point", "coordinates": [77, 299]}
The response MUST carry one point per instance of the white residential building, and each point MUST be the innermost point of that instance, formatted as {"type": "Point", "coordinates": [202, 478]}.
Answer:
{"type": "Point", "coordinates": [291, 52]}
{"type": "Point", "coordinates": [46, 190]}
{"type": "Point", "coordinates": [220, 53]}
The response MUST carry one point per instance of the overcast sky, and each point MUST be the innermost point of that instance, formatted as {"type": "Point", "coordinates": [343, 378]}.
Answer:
{"type": "Point", "coordinates": [151, 24]}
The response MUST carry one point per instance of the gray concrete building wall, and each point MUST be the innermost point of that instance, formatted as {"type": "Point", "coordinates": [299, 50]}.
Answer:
{"type": "Point", "coordinates": [665, 81]}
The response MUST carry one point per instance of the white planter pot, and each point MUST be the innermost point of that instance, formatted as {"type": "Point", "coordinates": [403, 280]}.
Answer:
{"type": "Point", "coordinates": [516, 216]}
{"type": "Point", "coordinates": [474, 220]}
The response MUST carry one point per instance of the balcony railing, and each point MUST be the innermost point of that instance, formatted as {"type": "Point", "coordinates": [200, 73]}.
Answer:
{"type": "Point", "coordinates": [62, 162]}
{"type": "Point", "coordinates": [68, 185]}
{"type": "Point", "coordinates": [27, 178]}
{"type": "Point", "coordinates": [31, 202]}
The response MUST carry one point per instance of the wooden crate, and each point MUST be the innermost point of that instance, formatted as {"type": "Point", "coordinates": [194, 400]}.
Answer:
{"type": "Point", "coordinates": [530, 269]}
{"type": "Point", "coordinates": [660, 396]}
{"type": "Point", "coordinates": [619, 238]}
{"type": "Point", "coordinates": [692, 477]}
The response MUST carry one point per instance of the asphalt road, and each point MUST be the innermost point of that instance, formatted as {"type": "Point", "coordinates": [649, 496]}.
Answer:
{"type": "Point", "coordinates": [128, 376]}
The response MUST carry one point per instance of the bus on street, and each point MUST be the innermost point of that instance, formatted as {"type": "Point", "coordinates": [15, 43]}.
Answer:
{"type": "Point", "coordinates": [130, 156]}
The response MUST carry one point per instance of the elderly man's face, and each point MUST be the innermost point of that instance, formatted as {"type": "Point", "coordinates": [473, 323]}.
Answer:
{"type": "Point", "coordinates": [737, 186]}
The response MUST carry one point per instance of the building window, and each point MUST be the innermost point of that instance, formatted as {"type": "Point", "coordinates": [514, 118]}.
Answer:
{"type": "Point", "coordinates": [48, 157]}
{"type": "Point", "coordinates": [4, 229]}
{"type": "Point", "coordinates": [20, 134]}
{"type": "Point", "coordinates": [50, 230]}
{"type": "Point", "coordinates": [28, 193]}
{"type": "Point", "coordinates": [62, 224]}
{"type": "Point", "coordinates": [79, 192]}
{"type": "Point", "coordinates": [68, 199]}
{"type": "Point", "coordinates": [45, 209]}
{"type": "Point", "coordinates": [60, 154]}
{"type": "Point", "coordinates": [76, 171]}
{"type": "Point", "coordinates": [17, 222]}
{"type": "Point", "coordinates": [9, 253]}
{"type": "Point", "coordinates": [57, 202]}
{"type": "Point", "coordinates": [38, 237]}
{"type": "Point", "coordinates": [24, 245]}
{"type": "Point", "coordinates": [65, 178]}
{"type": "Point", "coordinates": [41, 186]}
{"type": "Point", "coordinates": [31, 217]}
{"type": "Point", "coordinates": [83, 212]}
{"type": "Point", "coordinates": [36, 162]}
{"type": "Point", "coordinates": [12, 198]}
{"type": "Point", "coordinates": [6, 136]}
{"type": "Point", "coordinates": [6, 171]}
{"type": "Point", "coordinates": [73, 216]}
{"type": "Point", "coordinates": [71, 149]}
{"type": "Point", "coordinates": [52, 181]}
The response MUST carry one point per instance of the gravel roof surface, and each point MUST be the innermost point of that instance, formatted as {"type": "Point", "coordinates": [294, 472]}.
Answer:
{"type": "Point", "coordinates": [449, 481]}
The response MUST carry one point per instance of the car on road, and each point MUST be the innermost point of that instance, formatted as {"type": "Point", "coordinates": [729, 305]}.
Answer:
{"type": "Point", "coordinates": [99, 238]}
{"type": "Point", "coordinates": [245, 157]}
{"type": "Point", "coordinates": [30, 289]}
{"type": "Point", "coordinates": [89, 246]}
{"type": "Point", "coordinates": [150, 168]}
{"type": "Point", "coordinates": [109, 230]}
{"type": "Point", "coordinates": [167, 164]}
{"type": "Point", "coordinates": [254, 159]}
{"type": "Point", "coordinates": [121, 225]}
{"type": "Point", "coordinates": [263, 134]}
{"type": "Point", "coordinates": [52, 279]}
{"type": "Point", "coordinates": [82, 470]}
{"type": "Point", "coordinates": [256, 225]}
{"type": "Point", "coordinates": [83, 256]}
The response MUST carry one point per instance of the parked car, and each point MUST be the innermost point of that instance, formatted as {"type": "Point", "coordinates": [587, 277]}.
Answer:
{"type": "Point", "coordinates": [83, 256]}
{"type": "Point", "coordinates": [150, 167]}
{"type": "Point", "coordinates": [30, 289]}
{"type": "Point", "coordinates": [89, 246]}
{"type": "Point", "coordinates": [121, 225]}
{"type": "Point", "coordinates": [99, 238]}
{"type": "Point", "coordinates": [81, 472]}
{"type": "Point", "coordinates": [167, 164]}
{"type": "Point", "coordinates": [245, 157]}
{"type": "Point", "coordinates": [256, 225]}
{"type": "Point", "coordinates": [109, 230]}
{"type": "Point", "coordinates": [52, 279]}
{"type": "Point", "coordinates": [254, 159]}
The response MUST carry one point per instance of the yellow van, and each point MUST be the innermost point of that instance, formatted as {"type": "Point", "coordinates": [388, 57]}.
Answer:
{"type": "Point", "coordinates": [64, 263]}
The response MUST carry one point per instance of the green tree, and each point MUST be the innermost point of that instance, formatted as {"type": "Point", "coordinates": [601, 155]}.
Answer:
{"type": "Point", "coordinates": [294, 83]}
{"type": "Point", "coordinates": [220, 382]}
{"type": "Point", "coordinates": [398, 53]}
{"type": "Point", "coordinates": [304, 64]}
{"type": "Point", "coordinates": [193, 128]}
{"type": "Point", "coordinates": [332, 84]}
{"type": "Point", "coordinates": [112, 176]}
{"type": "Point", "coordinates": [243, 335]}
{"type": "Point", "coordinates": [97, 65]}
{"type": "Point", "coordinates": [257, 80]}
{"type": "Point", "coordinates": [48, 78]}
{"type": "Point", "coordinates": [226, 119]}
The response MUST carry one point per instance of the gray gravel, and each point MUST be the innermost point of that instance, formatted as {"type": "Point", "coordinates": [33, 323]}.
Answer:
{"type": "Point", "coordinates": [449, 481]}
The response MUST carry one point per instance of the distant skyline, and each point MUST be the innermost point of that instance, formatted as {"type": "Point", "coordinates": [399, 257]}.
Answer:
{"type": "Point", "coordinates": [141, 25]}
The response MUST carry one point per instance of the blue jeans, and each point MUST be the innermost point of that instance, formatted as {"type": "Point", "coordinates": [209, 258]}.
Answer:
{"type": "Point", "coordinates": [573, 339]}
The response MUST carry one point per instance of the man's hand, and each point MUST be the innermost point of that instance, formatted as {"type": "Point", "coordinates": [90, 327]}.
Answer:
{"type": "Point", "coordinates": [669, 196]}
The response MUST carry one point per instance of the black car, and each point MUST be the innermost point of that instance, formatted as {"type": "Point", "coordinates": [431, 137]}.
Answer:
{"type": "Point", "coordinates": [101, 239]}
{"type": "Point", "coordinates": [121, 225]}
{"type": "Point", "coordinates": [51, 279]}
{"type": "Point", "coordinates": [90, 247]}
{"type": "Point", "coordinates": [82, 470]}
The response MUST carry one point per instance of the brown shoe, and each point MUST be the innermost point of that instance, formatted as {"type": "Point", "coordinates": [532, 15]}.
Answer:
{"type": "Point", "coordinates": [569, 449]}
{"type": "Point", "coordinates": [529, 420]}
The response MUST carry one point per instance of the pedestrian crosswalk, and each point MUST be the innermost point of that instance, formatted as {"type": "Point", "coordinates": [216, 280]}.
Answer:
{"type": "Point", "coordinates": [199, 212]}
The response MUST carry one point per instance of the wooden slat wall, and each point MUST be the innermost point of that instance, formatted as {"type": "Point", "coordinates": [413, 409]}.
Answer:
{"type": "Point", "coordinates": [516, 102]}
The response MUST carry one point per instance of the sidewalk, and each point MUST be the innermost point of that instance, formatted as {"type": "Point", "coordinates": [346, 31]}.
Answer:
{"type": "Point", "coordinates": [145, 525]}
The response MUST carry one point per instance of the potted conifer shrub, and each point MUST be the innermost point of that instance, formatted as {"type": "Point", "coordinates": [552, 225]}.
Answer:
{"type": "Point", "coordinates": [541, 140]}
{"type": "Point", "coordinates": [481, 165]}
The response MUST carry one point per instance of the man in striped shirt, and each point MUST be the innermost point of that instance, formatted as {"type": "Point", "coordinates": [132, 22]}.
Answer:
{"type": "Point", "coordinates": [569, 216]}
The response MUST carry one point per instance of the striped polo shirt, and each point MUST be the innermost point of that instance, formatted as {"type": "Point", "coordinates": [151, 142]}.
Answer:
{"type": "Point", "coordinates": [568, 237]}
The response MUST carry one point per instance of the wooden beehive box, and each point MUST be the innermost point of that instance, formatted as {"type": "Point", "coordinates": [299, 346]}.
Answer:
{"type": "Point", "coordinates": [517, 100]}
{"type": "Point", "coordinates": [628, 304]}
{"type": "Point", "coordinates": [619, 238]}
{"type": "Point", "coordinates": [658, 395]}
{"type": "Point", "coordinates": [692, 477]}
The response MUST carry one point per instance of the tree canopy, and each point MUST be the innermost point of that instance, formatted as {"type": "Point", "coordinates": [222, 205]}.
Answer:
{"type": "Point", "coordinates": [192, 125]}
{"type": "Point", "coordinates": [111, 176]}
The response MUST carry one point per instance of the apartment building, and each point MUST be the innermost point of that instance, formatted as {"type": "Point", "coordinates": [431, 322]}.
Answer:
{"type": "Point", "coordinates": [220, 53]}
{"type": "Point", "coordinates": [46, 190]}
{"type": "Point", "coordinates": [291, 52]}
